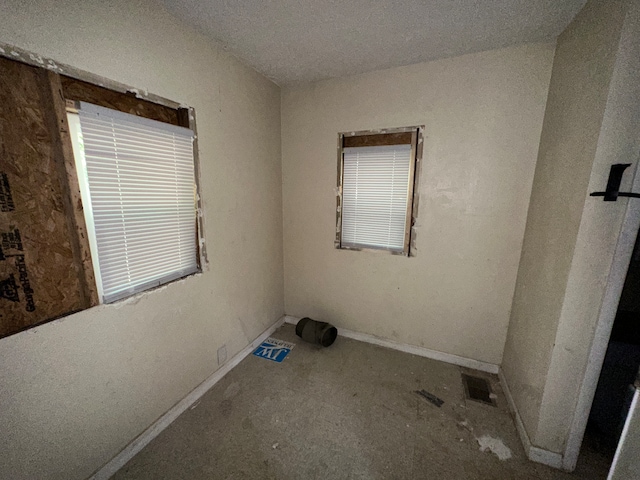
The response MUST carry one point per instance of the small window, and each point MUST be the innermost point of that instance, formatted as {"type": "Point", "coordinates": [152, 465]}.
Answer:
{"type": "Point", "coordinates": [138, 188]}
{"type": "Point", "coordinates": [376, 174]}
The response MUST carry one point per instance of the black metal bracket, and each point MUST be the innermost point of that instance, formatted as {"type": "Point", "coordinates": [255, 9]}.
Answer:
{"type": "Point", "coordinates": [612, 192]}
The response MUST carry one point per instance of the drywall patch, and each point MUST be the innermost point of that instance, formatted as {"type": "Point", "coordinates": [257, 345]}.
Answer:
{"type": "Point", "coordinates": [36, 58]}
{"type": "Point", "coordinates": [143, 95]}
{"type": "Point", "coordinates": [414, 249]}
{"type": "Point", "coordinates": [51, 65]}
{"type": "Point", "coordinates": [495, 446]}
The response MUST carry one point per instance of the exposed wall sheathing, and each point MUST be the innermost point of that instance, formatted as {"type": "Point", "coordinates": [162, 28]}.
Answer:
{"type": "Point", "coordinates": [41, 267]}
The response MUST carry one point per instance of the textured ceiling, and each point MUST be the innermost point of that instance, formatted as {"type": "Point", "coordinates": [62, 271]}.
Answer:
{"type": "Point", "coordinates": [297, 41]}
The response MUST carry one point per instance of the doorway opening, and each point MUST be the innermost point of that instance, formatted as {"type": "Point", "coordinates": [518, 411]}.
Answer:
{"type": "Point", "coordinates": [615, 389]}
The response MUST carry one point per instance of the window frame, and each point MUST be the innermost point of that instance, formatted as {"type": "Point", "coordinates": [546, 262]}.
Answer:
{"type": "Point", "coordinates": [74, 109]}
{"type": "Point", "coordinates": [80, 86]}
{"type": "Point", "coordinates": [412, 191]}
{"type": "Point", "coordinates": [184, 117]}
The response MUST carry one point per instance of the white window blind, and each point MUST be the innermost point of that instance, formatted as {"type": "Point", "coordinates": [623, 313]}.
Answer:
{"type": "Point", "coordinates": [375, 186]}
{"type": "Point", "coordinates": [142, 199]}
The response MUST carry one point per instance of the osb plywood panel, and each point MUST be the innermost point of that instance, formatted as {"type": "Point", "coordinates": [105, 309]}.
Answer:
{"type": "Point", "coordinates": [63, 152]}
{"type": "Point", "coordinates": [39, 272]}
{"type": "Point", "coordinates": [87, 92]}
{"type": "Point", "coordinates": [378, 139]}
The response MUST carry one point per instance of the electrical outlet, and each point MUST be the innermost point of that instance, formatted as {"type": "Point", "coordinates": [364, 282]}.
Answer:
{"type": "Point", "coordinates": [222, 354]}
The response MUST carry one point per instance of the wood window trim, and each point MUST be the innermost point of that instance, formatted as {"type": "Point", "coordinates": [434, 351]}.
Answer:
{"type": "Point", "coordinates": [81, 91]}
{"type": "Point", "coordinates": [377, 139]}
{"type": "Point", "coordinates": [388, 136]}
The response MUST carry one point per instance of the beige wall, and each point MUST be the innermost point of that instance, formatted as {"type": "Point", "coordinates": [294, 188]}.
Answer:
{"type": "Point", "coordinates": [618, 142]}
{"type": "Point", "coordinates": [483, 116]}
{"type": "Point", "coordinates": [75, 391]}
{"type": "Point", "coordinates": [591, 121]}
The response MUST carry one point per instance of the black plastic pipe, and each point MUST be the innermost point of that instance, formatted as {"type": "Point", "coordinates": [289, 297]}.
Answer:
{"type": "Point", "coordinates": [313, 331]}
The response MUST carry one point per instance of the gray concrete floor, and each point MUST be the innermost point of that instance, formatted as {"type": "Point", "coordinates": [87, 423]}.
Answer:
{"type": "Point", "coordinates": [349, 411]}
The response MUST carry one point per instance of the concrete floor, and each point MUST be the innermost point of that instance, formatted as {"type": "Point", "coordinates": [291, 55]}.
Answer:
{"type": "Point", "coordinates": [346, 412]}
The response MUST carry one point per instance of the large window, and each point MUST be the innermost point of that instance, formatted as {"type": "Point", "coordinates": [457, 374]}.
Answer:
{"type": "Point", "coordinates": [138, 189]}
{"type": "Point", "coordinates": [98, 200]}
{"type": "Point", "coordinates": [376, 175]}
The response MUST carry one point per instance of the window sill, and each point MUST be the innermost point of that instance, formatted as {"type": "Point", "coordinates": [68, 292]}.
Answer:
{"type": "Point", "coordinates": [373, 250]}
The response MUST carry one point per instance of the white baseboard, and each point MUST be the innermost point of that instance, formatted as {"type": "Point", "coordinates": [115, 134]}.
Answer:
{"type": "Point", "coordinates": [522, 432]}
{"type": "Point", "coordinates": [535, 454]}
{"type": "Point", "coordinates": [415, 350]}
{"type": "Point", "coordinates": [117, 462]}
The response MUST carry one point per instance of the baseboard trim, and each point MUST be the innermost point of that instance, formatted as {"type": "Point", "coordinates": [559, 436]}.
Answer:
{"type": "Point", "coordinates": [522, 432]}
{"type": "Point", "coordinates": [535, 454]}
{"type": "Point", "coordinates": [142, 440]}
{"type": "Point", "coordinates": [413, 349]}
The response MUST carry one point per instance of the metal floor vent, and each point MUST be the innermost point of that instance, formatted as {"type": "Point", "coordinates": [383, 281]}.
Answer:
{"type": "Point", "coordinates": [478, 389]}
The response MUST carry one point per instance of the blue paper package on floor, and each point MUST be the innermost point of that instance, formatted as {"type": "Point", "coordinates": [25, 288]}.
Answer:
{"type": "Point", "coordinates": [273, 349]}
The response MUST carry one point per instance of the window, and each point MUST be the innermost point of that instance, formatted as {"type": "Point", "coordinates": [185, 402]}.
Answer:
{"type": "Point", "coordinates": [138, 188]}
{"type": "Point", "coordinates": [376, 174]}
{"type": "Point", "coordinates": [78, 230]}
